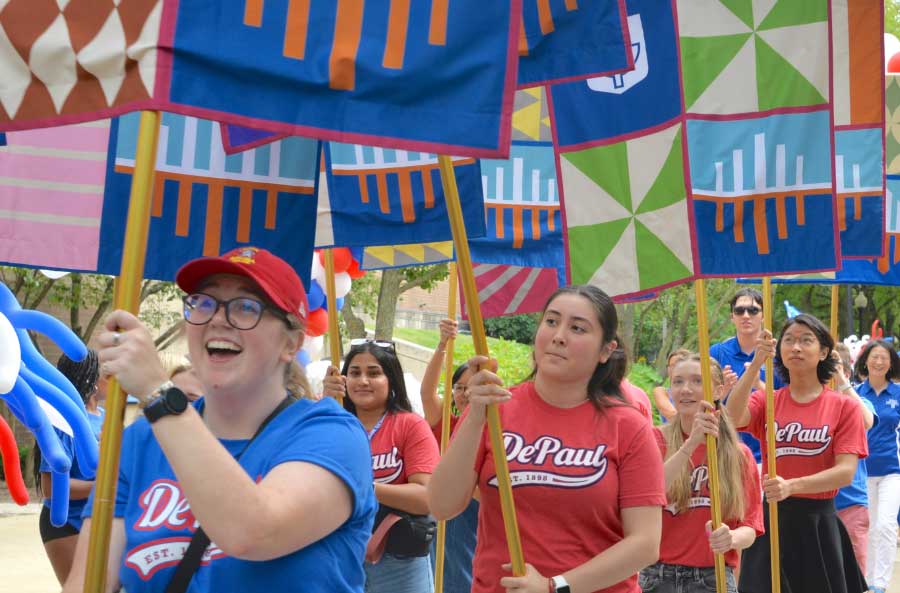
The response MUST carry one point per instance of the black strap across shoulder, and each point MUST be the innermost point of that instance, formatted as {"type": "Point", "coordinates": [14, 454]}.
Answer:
{"type": "Point", "coordinates": [193, 556]}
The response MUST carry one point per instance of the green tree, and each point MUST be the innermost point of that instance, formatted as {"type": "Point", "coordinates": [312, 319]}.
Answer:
{"type": "Point", "coordinates": [378, 294]}
{"type": "Point", "coordinates": [892, 17]}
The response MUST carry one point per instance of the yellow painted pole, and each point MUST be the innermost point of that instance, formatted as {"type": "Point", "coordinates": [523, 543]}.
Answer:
{"type": "Point", "coordinates": [712, 453]}
{"type": "Point", "coordinates": [445, 425]}
{"type": "Point", "coordinates": [479, 339]}
{"type": "Point", "coordinates": [834, 312]}
{"type": "Point", "coordinates": [771, 469]}
{"type": "Point", "coordinates": [334, 334]}
{"type": "Point", "coordinates": [127, 297]}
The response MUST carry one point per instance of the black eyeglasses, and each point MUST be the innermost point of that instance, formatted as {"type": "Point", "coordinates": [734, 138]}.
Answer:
{"type": "Point", "coordinates": [753, 311]}
{"type": "Point", "coordinates": [241, 313]}
{"type": "Point", "coordinates": [380, 343]}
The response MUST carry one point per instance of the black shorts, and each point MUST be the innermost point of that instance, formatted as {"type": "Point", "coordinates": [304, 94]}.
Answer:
{"type": "Point", "coordinates": [49, 532]}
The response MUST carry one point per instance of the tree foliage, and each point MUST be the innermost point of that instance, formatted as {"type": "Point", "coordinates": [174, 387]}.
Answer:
{"type": "Point", "coordinates": [892, 17]}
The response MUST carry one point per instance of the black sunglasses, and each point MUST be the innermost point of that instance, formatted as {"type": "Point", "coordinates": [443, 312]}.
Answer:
{"type": "Point", "coordinates": [754, 310]}
{"type": "Point", "coordinates": [241, 313]}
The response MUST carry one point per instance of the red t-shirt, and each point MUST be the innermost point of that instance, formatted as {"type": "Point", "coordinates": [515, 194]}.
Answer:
{"type": "Point", "coordinates": [638, 398]}
{"type": "Point", "coordinates": [436, 429]}
{"type": "Point", "coordinates": [402, 446]}
{"type": "Point", "coordinates": [572, 470]}
{"type": "Point", "coordinates": [684, 539]}
{"type": "Point", "coordinates": [809, 436]}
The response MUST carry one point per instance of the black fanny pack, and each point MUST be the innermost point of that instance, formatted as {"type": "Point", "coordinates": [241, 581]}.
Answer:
{"type": "Point", "coordinates": [410, 535]}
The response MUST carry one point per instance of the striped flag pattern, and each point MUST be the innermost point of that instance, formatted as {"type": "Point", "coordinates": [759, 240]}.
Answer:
{"type": "Point", "coordinates": [51, 196]}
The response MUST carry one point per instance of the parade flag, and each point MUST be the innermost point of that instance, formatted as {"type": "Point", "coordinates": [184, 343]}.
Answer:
{"type": "Point", "coordinates": [2, 139]}
{"type": "Point", "coordinates": [51, 196]}
{"type": "Point", "coordinates": [403, 256]}
{"type": "Point", "coordinates": [570, 40]}
{"type": "Point", "coordinates": [859, 103]}
{"type": "Point", "coordinates": [433, 75]}
{"type": "Point", "coordinates": [621, 146]}
{"type": "Point", "coordinates": [378, 196]}
{"type": "Point", "coordinates": [512, 290]}
{"type": "Point", "coordinates": [206, 202]}
{"type": "Point", "coordinates": [237, 139]}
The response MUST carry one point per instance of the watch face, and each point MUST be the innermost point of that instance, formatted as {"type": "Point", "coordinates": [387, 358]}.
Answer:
{"type": "Point", "coordinates": [176, 400]}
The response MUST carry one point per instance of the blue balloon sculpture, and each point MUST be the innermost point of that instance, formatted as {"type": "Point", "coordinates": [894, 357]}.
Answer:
{"type": "Point", "coordinates": [37, 377]}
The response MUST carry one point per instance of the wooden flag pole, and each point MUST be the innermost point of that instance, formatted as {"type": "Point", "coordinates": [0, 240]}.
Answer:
{"type": "Point", "coordinates": [334, 333]}
{"type": "Point", "coordinates": [127, 297]}
{"type": "Point", "coordinates": [834, 312]}
{"type": "Point", "coordinates": [479, 339]}
{"type": "Point", "coordinates": [771, 469]}
{"type": "Point", "coordinates": [445, 424]}
{"type": "Point", "coordinates": [712, 453]}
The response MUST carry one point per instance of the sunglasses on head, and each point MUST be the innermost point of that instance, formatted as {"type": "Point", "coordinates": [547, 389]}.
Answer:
{"type": "Point", "coordinates": [380, 343]}
{"type": "Point", "coordinates": [752, 310]}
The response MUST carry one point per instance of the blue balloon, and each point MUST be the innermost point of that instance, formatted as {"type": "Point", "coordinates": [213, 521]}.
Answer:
{"type": "Point", "coordinates": [316, 296]}
{"type": "Point", "coordinates": [303, 357]}
{"type": "Point", "coordinates": [59, 505]}
{"type": "Point", "coordinates": [339, 303]}
{"type": "Point", "coordinates": [24, 405]}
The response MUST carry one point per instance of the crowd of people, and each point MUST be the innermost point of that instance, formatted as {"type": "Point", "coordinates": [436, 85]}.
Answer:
{"type": "Point", "coordinates": [241, 478]}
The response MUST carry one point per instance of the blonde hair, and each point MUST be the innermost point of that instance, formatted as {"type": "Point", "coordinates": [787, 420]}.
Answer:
{"type": "Point", "coordinates": [730, 458]}
{"type": "Point", "coordinates": [295, 380]}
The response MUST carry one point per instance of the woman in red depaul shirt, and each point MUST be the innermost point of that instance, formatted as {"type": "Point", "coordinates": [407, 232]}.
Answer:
{"type": "Point", "coordinates": [819, 439]}
{"type": "Point", "coordinates": [586, 472]}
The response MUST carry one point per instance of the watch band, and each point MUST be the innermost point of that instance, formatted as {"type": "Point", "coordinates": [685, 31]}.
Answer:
{"type": "Point", "coordinates": [560, 585]}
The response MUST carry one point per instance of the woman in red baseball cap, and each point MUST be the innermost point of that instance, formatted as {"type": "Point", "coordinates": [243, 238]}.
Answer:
{"type": "Point", "coordinates": [280, 484]}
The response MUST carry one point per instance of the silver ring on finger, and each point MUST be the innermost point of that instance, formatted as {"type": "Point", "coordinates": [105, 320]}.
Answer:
{"type": "Point", "coordinates": [116, 338]}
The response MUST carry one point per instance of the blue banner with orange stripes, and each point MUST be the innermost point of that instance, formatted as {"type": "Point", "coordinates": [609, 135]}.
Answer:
{"type": "Point", "coordinates": [420, 75]}
{"type": "Point", "coordinates": [563, 40]}
{"type": "Point", "coordinates": [379, 196]}
{"type": "Point", "coordinates": [206, 202]}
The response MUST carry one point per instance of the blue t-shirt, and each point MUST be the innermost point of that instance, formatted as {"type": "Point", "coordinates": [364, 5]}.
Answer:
{"type": "Point", "coordinates": [96, 421]}
{"type": "Point", "coordinates": [159, 523]}
{"type": "Point", "coordinates": [884, 439]}
{"type": "Point", "coordinates": [729, 353]}
{"type": "Point", "coordinates": [856, 494]}
{"type": "Point", "coordinates": [76, 507]}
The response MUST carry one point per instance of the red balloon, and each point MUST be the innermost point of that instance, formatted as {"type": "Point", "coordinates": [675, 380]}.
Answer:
{"type": "Point", "coordinates": [10, 452]}
{"type": "Point", "coordinates": [317, 323]}
{"type": "Point", "coordinates": [893, 65]}
{"type": "Point", "coordinates": [342, 258]}
{"type": "Point", "coordinates": [354, 272]}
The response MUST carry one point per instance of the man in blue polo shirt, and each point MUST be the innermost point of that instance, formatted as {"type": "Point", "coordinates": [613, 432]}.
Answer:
{"type": "Point", "coordinates": [737, 352]}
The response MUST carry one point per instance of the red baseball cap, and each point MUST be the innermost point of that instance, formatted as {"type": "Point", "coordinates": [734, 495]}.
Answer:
{"type": "Point", "coordinates": [274, 276]}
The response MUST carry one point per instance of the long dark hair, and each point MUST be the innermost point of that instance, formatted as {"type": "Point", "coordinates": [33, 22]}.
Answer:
{"type": "Point", "coordinates": [826, 367]}
{"type": "Point", "coordinates": [84, 376]}
{"type": "Point", "coordinates": [604, 387]}
{"type": "Point", "coordinates": [397, 400]}
{"type": "Point", "coordinates": [862, 368]}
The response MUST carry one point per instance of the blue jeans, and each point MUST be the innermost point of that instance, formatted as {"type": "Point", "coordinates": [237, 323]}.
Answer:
{"type": "Point", "coordinates": [459, 550]}
{"type": "Point", "coordinates": [399, 575]}
{"type": "Point", "coordinates": [674, 578]}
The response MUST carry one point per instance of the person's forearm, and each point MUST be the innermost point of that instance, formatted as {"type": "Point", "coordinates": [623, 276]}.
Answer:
{"type": "Point", "coordinates": [431, 403]}
{"type": "Point", "coordinates": [832, 478]}
{"type": "Point", "coordinates": [676, 463]}
{"type": "Point", "coordinates": [868, 416]}
{"type": "Point", "coordinates": [75, 581]}
{"type": "Point", "coordinates": [454, 478]}
{"type": "Point", "coordinates": [742, 537]}
{"type": "Point", "coordinates": [736, 406]}
{"type": "Point", "coordinates": [661, 399]}
{"type": "Point", "coordinates": [80, 489]}
{"type": "Point", "coordinates": [219, 504]}
{"type": "Point", "coordinates": [615, 564]}
{"type": "Point", "coordinates": [412, 498]}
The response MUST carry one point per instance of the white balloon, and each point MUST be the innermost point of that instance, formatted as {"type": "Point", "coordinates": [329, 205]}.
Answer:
{"type": "Point", "coordinates": [53, 274]}
{"type": "Point", "coordinates": [10, 355]}
{"type": "Point", "coordinates": [891, 46]}
{"type": "Point", "coordinates": [318, 271]}
{"type": "Point", "coordinates": [342, 283]}
{"type": "Point", "coordinates": [314, 346]}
